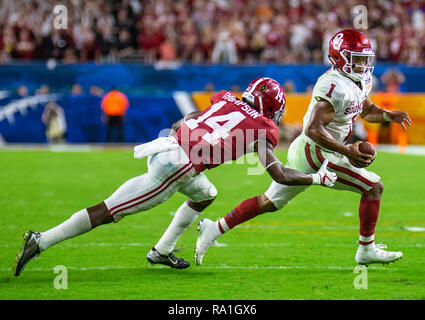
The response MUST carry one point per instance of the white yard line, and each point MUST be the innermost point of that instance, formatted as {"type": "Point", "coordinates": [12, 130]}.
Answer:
{"type": "Point", "coordinates": [67, 147]}
{"type": "Point", "coordinates": [233, 245]}
{"type": "Point", "coordinates": [411, 150]}
{"type": "Point", "coordinates": [416, 150]}
{"type": "Point", "coordinates": [222, 267]}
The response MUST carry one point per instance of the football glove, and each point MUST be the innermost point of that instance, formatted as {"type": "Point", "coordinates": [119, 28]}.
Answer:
{"type": "Point", "coordinates": [324, 177]}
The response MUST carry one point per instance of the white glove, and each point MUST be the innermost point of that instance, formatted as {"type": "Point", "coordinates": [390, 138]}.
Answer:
{"type": "Point", "coordinates": [323, 176]}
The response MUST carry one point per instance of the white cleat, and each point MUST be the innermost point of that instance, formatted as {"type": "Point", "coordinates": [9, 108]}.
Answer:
{"type": "Point", "coordinates": [375, 254]}
{"type": "Point", "coordinates": [208, 232]}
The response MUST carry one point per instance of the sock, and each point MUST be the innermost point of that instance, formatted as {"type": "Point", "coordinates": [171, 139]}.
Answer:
{"type": "Point", "coordinates": [183, 218]}
{"type": "Point", "coordinates": [245, 211]}
{"type": "Point", "coordinates": [78, 223]}
{"type": "Point", "coordinates": [368, 214]}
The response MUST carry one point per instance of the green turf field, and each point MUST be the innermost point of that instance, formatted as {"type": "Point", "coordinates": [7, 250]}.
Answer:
{"type": "Point", "coordinates": [305, 251]}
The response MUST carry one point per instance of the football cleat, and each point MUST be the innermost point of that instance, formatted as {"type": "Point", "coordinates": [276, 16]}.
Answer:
{"type": "Point", "coordinates": [154, 257]}
{"type": "Point", "coordinates": [207, 234]}
{"type": "Point", "coordinates": [29, 250]}
{"type": "Point", "coordinates": [375, 254]}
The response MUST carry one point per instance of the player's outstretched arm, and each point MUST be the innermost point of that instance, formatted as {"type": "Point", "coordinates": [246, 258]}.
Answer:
{"type": "Point", "coordinates": [373, 113]}
{"type": "Point", "coordinates": [322, 114]}
{"type": "Point", "coordinates": [288, 176]}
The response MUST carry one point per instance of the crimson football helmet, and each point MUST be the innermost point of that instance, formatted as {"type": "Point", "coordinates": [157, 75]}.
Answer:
{"type": "Point", "coordinates": [266, 96]}
{"type": "Point", "coordinates": [350, 49]}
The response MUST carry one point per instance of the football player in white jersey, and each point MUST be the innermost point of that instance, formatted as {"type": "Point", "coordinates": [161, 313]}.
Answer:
{"type": "Point", "coordinates": [339, 97]}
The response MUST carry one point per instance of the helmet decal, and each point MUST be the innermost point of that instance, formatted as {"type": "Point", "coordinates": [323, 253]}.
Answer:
{"type": "Point", "coordinates": [279, 95]}
{"type": "Point", "coordinates": [337, 42]}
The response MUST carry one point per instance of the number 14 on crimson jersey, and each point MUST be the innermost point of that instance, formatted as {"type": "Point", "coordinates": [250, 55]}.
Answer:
{"type": "Point", "coordinates": [231, 120]}
{"type": "Point", "coordinates": [223, 132]}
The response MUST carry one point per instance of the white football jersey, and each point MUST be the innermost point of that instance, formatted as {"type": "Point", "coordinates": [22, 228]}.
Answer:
{"type": "Point", "coordinates": [347, 99]}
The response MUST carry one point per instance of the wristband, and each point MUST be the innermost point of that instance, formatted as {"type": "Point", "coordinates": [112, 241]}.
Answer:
{"type": "Point", "coordinates": [385, 116]}
{"type": "Point", "coordinates": [270, 164]}
{"type": "Point", "coordinates": [316, 178]}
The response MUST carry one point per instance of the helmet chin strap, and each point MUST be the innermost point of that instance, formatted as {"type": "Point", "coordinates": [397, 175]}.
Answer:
{"type": "Point", "coordinates": [261, 105]}
{"type": "Point", "coordinates": [278, 116]}
{"type": "Point", "coordinates": [358, 76]}
{"type": "Point", "coordinates": [352, 75]}
{"type": "Point", "coordinates": [355, 76]}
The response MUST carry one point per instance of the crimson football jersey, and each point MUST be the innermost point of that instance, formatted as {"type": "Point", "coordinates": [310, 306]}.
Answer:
{"type": "Point", "coordinates": [224, 131]}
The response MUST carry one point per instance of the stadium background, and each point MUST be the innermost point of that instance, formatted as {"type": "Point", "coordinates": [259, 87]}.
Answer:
{"type": "Point", "coordinates": [168, 57]}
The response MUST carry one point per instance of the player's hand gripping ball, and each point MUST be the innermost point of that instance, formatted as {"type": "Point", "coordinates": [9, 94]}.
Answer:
{"type": "Point", "coordinates": [365, 147]}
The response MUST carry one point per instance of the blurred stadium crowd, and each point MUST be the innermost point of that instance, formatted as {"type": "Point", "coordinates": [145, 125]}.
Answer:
{"type": "Point", "coordinates": [205, 31]}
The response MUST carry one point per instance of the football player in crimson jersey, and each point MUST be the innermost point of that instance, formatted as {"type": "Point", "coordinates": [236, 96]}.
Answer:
{"type": "Point", "coordinates": [228, 129]}
{"type": "Point", "coordinates": [339, 97]}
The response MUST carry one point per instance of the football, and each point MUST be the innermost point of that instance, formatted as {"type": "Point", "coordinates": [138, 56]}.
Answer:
{"type": "Point", "coordinates": [365, 147]}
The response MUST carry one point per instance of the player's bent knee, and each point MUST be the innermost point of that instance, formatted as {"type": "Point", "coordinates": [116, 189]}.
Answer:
{"type": "Point", "coordinates": [265, 205]}
{"type": "Point", "coordinates": [375, 192]}
{"type": "Point", "coordinates": [380, 187]}
{"type": "Point", "coordinates": [213, 192]}
{"type": "Point", "coordinates": [201, 205]}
